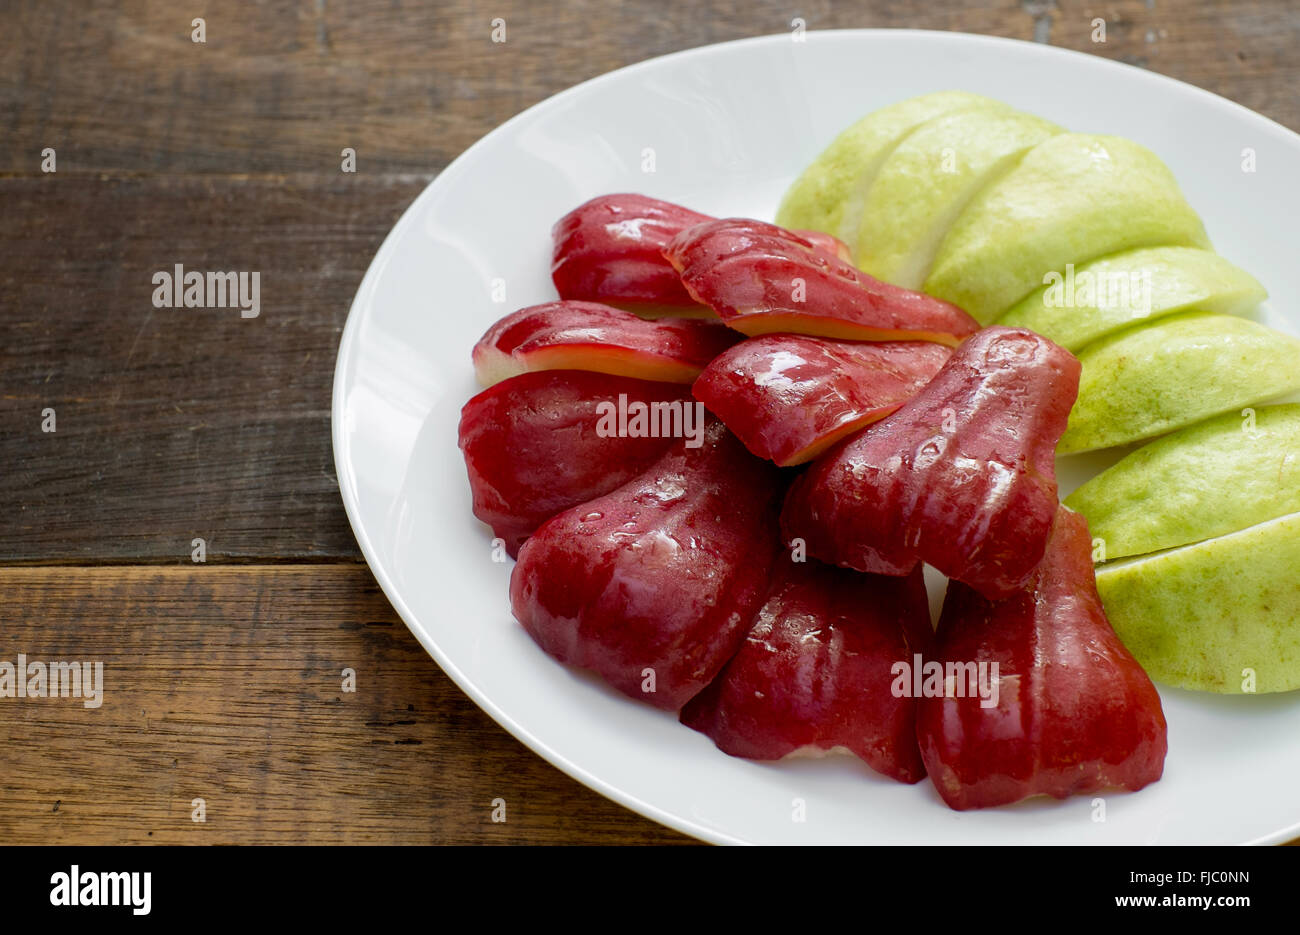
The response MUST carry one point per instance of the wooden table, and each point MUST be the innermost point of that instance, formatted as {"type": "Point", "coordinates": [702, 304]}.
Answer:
{"type": "Point", "coordinates": [223, 679]}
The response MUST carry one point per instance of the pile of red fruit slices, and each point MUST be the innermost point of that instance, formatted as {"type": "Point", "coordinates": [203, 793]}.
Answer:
{"type": "Point", "coordinates": [781, 609]}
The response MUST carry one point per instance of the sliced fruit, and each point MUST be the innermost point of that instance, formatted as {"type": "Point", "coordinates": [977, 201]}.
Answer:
{"type": "Point", "coordinates": [654, 585]}
{"type": "Point", "coordinates": [1074, 712]}
{"type": "Point", "coordinates": [962, 476]}
{"type": "Point", "coordinates": [760, 279]}
{"type": "Point", "coordinates": [828, 196]}
{"type": "Point", "coordinates": [928, 179]}
{"type": "Point", "coordinates": [608, 250]}
{"type": "Point", "coordinates": [1207, 480]}
{"type": "Point", "coordinates": [826, 242]}
{"type": "Point", "coordinates": [1160, 376]}
{"type": "Point", "coordinates": [813, 675]}
{"type": "Point", "coordinates": [1217, 616]}
{"type": "Point", "coordinates": [1106, 295]}
{"type": "Point", "coordinates": [533, 445]}
{"type": "Point", "coordinates": [1071, 199]}
{"type": "Point", "coordinates": [569, 335]}
{"type": "Point", "coordinates": [790, 397]}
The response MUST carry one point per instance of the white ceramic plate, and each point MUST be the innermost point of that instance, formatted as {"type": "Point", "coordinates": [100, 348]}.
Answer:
{"type": "Point", "coordinates": [730, 126]}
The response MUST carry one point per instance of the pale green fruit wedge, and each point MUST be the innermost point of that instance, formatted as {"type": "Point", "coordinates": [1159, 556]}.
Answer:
{"type": "Point", "coordinates": [1073, 198]}
{"type": "Point", "coordinates": [1216, 615]}
{"type": "Point", "coordinates": [1114, 292]}
{"type": "Point", "coordinates": [1162, 375]}
{"type": "Point", "coordinates": [929, 178]}
{"type": "Point", "coordinates": [828, 196]}
{"type": "Point", "coordinates": [1210, 479]}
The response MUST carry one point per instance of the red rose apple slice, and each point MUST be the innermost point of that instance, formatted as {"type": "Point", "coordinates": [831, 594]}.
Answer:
{"type": "Point", "coordinates": [1074, 712]}
{"type": "Point", "coordinates": [588, 336]}
{"type": "Point", "coordinates": [609, 250]}
{"type": "Point", "coordinates": [533, 445]}
{"type": "Point", "coordinates": [814, 674]}
{"type": "Point", "coordinates": [761, 278]}
{"type": "Point", "coordinates": [827, 243]}
{"type": "Point", "coordinates": [962, 476]}
{"type": "Point", "coordinates": [653, 585]}
{"type": "Point", "coordinates": [790, 397]}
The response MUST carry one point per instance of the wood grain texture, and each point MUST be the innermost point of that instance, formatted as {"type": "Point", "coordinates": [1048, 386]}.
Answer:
{"type": "Point", "coordinates": [225, 684]}
{"type": "Point", "coordinates": [283, 86]}
{"type": "Point", "coordinates": [222, 680]}
{"type": "Point", "coordinates": [177, 423]}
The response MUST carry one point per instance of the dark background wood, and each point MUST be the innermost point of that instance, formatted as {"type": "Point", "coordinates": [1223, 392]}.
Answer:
{"type": "Point", "coordinates": [225, 155]}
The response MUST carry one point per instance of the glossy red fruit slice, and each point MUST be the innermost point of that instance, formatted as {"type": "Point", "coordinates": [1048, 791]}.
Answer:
{"type": "Point", "coordinates": [814, 673]}
{"type": "Point", "coordinates": [588, 336]}
{"type": "Point", "coordinates": [790, 397]}
{"type": "Point", "coordinates": [827, 243]}
{"type": "Point", "coordinates": [534, 445]}
{"type": "Point", "coordinates": [761, 278]}
{"type": "Point", "coordinates": [1075, 713]}
{"type": "Point", "coordinates": [962, 476]}
{"type": "Point", "coordinates": [609, 249]}
{"type": "Point", "coordinates": [653, 585]}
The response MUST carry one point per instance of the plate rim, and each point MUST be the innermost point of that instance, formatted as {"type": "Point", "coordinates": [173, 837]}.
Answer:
{"type": "Point", "coordinates": [345, 476]}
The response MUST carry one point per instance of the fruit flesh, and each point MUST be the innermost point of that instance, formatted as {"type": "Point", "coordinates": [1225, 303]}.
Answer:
{"type": "Point", "coordinates": [659, 579]}
{"type": "Point", "coordinates": [1075, 713]}
{"type": "Point", "coordinates": [929, 178]}
{"type": "Point", "coordinates": [790, 397]}
{"type": "Point", "coordinates": [569, 335]}
{"type": "Point", "coordinates": [1217, 616]}
{"type": "Point", "coordinates": [1071, 199]}
{"type": "Point", "coordinates": [828, 195]}
{"type": "Point", "coordinates": [962, 476]}
{"type": "Point", "coordinates": [1207, 480]}
{"type": "Point", "coordinates": [1167, 374]}
{"type": "Point", "coordinates": [813, 674]}
{"type": "Point", "coordinates": [763, 279]}
{"type": "Point", "coordinates": [533, 448]}
{"type": "Point", "coordinates": [1110, 294]}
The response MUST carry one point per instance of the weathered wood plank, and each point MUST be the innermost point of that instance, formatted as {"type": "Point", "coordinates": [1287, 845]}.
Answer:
{"type": "Point", "coordinates": [284, 86]}
{"type": "Point", "coordinates": [225, 684]}
{"type": "Point", "coordinates": [177, 423]}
